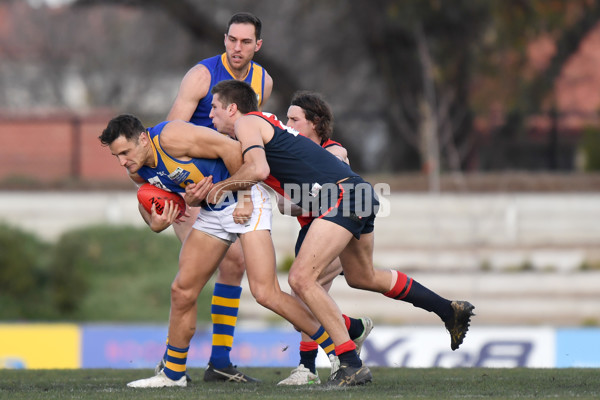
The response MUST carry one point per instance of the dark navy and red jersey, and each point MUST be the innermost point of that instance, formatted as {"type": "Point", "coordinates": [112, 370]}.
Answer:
{"type": "Point", "coordinates": [295, 159]}
{"type": "Point", "coordinates": [304, 220]}
{"type": "Point", "coordinates": [317, 181]}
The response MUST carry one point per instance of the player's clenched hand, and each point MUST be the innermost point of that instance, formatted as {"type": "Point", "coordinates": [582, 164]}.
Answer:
{"type": "Point", "coordinates": [160, 222]}
{"type": "Point", "coordinates": [243, 209]}
{"type": "Point", "coordinates": [195, 193]}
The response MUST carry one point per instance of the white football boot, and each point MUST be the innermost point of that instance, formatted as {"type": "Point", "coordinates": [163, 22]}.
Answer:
{"type": "Point", "coordinates": [158, 381]}
{"type": "Point", "coordinates": [301, 376]}
{"type": "Point", "coordinates": [368, 325]}
{"type": "Point", "coordinates": [335, 364]}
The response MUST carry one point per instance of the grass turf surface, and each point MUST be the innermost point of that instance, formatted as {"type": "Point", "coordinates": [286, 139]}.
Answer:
{"type": "Point", "coordinates": [430, 383]}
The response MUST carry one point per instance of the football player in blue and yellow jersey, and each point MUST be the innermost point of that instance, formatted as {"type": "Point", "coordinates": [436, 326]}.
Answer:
{"type": "Point", "coordinates": [242, 42]}
{"type": "Point", "coordinates": [187, 158]}
{"type": "Point", "coordinates": [193, 104]}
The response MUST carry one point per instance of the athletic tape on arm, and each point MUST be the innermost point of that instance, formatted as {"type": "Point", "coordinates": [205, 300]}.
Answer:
{"type": "Point", "coordinates": [250, 148]}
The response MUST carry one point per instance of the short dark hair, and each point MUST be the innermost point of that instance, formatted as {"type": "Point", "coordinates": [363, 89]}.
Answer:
{"type": "Point", "coordinates": [246, 18]}
{"type": "Point", "coordinates": [124, 125]}
{"type": "Point", "coordinates": [316, 110]}
{"type": "Point", "coordinates": [237, 92]}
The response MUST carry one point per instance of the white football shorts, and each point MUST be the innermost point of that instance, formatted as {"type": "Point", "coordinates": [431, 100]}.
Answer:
{"type": "Point", "coordinates": [221, 225]}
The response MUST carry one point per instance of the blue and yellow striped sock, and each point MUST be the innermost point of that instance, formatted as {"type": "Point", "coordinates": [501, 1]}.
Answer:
{"type": "Point", "coordinates": [323, 339]}
{"type": "Point", "coordinates": [176, 359]}
{"type": "Point", "coordinates": [224, 311]}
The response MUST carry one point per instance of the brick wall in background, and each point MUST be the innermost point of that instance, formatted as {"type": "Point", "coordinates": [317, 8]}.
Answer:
{"type": "Point", "coordinates": [56, 148]}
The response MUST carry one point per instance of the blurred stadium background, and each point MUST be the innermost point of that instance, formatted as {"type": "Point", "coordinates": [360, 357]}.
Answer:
{"type": "Point", "coordinates": [482, 118]}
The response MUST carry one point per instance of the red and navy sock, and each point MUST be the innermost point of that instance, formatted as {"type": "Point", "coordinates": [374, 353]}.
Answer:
{"type": "Point", "coordinates": [308, 355]}
{"type": "Point", "coordinates": [346, 352]}
{"type": "Point", "coordinates": [411, 291]}
{"type": "Point", "coordinates": [354, 326]}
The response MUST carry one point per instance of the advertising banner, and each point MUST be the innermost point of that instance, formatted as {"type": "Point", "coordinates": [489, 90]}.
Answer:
{"type": "Point", "coordinates": [578, 348]}
{"type": "Point", "coordinates": [39, 346]}
{"type": "Point", "coordinates": [495, 347]}
{"type": "Point", "coordinates": [142, 346]}
{"type": "Point", "coordinates": [115, 346]}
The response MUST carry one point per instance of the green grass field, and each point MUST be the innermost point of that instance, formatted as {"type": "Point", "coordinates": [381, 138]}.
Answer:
{"type": "Point", "coordinates": [388, 383]}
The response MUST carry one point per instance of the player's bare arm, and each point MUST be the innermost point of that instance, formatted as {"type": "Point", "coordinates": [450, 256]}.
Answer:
{"type": "Point", "coordinates": [185, 140]}
{"type": "Point", "coordinates": [286, 207]}
{"type": "Point", "coordinates": [267, 91]}
{"type": "Point", "coordinates": [194, 86]}
{"type": "Point", "coordinates": [252, 132]}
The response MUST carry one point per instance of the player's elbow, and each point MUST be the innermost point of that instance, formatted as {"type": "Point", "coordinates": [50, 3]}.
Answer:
{"type": "Point", "coordinates": [261, 172]}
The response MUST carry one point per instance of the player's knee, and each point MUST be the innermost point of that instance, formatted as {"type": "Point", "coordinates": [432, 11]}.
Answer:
{"type": "Point", "coordinates": [180, 297]}
{"type": "Point", "coordinates": [231, 274]}
{"type": "Point", "coordinates": [237, 267]}
{"type": "Point", "coordinates": [267, 295]}
{"type": "Point", "coordinates": [263, 297]}
{"type": "Point", "coordinates": [299, 283]}
{"type": "Point", "coordinates": [231, 270]}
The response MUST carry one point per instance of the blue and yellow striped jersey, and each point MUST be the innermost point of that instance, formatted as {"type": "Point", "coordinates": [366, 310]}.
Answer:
{"type": "Point", "coordinates": [220, 71]}
{"type": "Point", "coordinates": [174, 175]}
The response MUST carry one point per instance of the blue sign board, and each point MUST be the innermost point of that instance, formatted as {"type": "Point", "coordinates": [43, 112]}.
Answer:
{"type": "Point", "coordinates": [578, 347]}
{"type": "Point", "coordinates": [134, 346]}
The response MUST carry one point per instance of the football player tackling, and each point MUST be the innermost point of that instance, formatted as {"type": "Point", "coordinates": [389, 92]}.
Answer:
{"type": "Point", "coordinates": [345, 207]}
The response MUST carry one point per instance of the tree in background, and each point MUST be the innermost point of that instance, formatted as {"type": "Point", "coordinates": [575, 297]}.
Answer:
{"type": "Point", "coordinates": [416, 85]}
{"type": "Point", "coordinates": [447, 65]}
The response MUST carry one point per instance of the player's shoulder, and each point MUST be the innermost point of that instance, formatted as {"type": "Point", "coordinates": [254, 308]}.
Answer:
{"type": "Point", "coordinates": [175, 124]}
{"type": "Point", "coordinates": [210, 62]}
{"type": "Point", "coordinates": [176, 130]}
{"type": "Point", "coordinates": [256, 121]}
{"type": "Point", "coordinates": [198, 72]}
{"type": "Point", "coordinates": [268, 77]}
{"type": "Point", "coordinates": [251, 118]}
{"type": "Point", "coordinates": [263, 118]}
{"type": "Point", "coordinates": [329, 142]}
